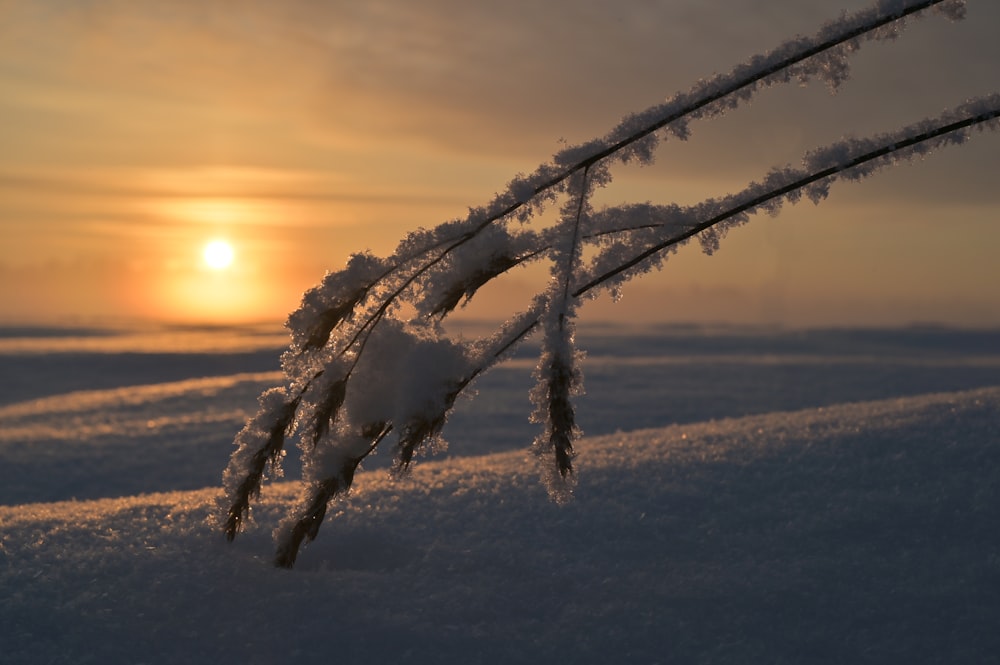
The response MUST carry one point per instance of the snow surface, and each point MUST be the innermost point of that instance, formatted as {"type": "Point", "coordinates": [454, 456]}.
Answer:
{"type": "Point", "coordinates": [833, 525]}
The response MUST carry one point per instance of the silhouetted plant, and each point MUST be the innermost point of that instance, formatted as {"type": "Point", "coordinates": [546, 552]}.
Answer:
{"type": "Point", "coordinates": [358, 368]}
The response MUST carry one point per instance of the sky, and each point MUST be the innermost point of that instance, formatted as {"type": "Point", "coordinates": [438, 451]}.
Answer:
{"type": "Point", "coordinates": [133, 133]}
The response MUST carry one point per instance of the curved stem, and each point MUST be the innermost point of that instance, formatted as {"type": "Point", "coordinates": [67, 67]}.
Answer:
{"type": "Point", "coordinates": [722, 92]}
{"type": "Point", "coordinates": [786, 189]}
{"type": "Point", "coordinates": [700, 102]}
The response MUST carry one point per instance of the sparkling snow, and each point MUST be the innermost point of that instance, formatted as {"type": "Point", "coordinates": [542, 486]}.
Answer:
{"type": "Point", "coordinates": [837, 523]}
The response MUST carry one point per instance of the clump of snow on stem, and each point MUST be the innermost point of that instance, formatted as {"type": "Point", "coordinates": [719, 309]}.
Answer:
{"type": "Point", "coordinates": [326, 305]}
{"type": "Point", "coordinates": [405, 373]}
{"type": "Point", "coordinates": [259, 449]}
{"type": "Point", "coordinates": [460, 274]}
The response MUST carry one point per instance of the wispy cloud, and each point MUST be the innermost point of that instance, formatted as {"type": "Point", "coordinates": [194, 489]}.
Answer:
{"type": "Point", "coordinates": [329, 127]}
{"type": "Point", "coordinates": [208, 183]}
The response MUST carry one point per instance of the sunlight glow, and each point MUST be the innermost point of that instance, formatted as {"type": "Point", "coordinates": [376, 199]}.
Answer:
{"type": "Point", "coordinates": [218, 255]}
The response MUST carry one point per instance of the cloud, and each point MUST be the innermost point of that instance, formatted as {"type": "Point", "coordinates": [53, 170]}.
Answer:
{"type": "Point", "coordinates": [506, 78]}
{"type": "Point", "coordinates": [335, 126]}
{"type": "Point", "coordinates": [205, 183]}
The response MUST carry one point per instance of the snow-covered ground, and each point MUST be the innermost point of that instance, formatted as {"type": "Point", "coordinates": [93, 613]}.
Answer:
{"type": "Point", "coordinates": [744, 497]}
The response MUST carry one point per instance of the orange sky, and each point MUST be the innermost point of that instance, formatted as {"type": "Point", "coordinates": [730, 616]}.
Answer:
{"type": "Point", "coordinates": [135, 132]}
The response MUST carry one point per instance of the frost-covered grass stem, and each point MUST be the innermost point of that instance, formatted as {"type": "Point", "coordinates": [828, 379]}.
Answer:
{"type": "Point", "coordinates": [862, 23]}
{"type": "Point", "coordinates": [369, 355]}
{"type": "Point", "coordinates": [799, 184]}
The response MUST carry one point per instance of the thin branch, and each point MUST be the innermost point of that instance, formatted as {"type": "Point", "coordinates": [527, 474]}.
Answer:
{"type": "Point", "coordinates": [702, 102]}
{"type": "Point", "coordinates": [786, 189]}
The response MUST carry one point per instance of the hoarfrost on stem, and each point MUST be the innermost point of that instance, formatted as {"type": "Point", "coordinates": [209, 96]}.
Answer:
{"type": "Point", "coordinates": [369, 357]}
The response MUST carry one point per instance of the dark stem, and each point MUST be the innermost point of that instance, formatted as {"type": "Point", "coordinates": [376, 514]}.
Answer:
{"type": "Point", "coordinates": [574, 242]}
{"type": "Point", "coordinates": [702, 102]}
{"type": "Point", "coordinates": [322, 492]}
{"type": "Point", "coordinates": [589, 161]}
{"type": "Point", "coordinates": [781, 191]}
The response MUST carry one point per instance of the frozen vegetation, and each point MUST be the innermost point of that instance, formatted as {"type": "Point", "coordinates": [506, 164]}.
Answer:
{"type": "Point", "coordinates": [369, 359]}
{"type": "Point", "coordinates": [745, 495]}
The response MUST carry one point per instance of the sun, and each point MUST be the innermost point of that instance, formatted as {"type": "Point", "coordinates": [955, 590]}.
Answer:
{"type": "Point", "coordinates": [218, 255]}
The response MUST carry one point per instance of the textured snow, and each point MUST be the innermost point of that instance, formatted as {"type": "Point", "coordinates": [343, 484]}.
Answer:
{"type": "Point", "coordinates": [854, 533]}
{"type": "Point", "coordinates": [848, 515]}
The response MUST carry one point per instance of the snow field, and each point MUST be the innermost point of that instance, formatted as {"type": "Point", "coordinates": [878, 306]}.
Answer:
{"type": "Point", "coordinates": [854, 533]}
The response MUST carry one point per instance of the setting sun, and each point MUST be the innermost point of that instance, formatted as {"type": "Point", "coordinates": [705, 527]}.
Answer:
{"type": "Point", "coordinates": [218, 255]}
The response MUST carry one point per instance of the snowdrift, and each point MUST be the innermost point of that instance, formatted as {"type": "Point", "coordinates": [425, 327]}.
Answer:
{"type": "Point", "coordinates": [856, 533]}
